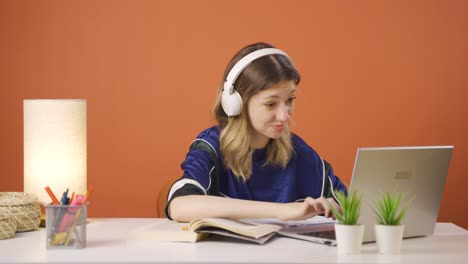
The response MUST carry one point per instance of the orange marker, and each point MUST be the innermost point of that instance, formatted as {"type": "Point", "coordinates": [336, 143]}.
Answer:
{"type": "Point", "coordinates": [52, 195]}
{"type": "Point", "coordinates": [88, 193]}
{"type": "Point", "coordinates": [71, 198]}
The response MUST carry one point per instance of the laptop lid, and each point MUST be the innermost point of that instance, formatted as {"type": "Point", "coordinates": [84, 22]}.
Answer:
{"type": "Point", "coordinates": [420, 172]}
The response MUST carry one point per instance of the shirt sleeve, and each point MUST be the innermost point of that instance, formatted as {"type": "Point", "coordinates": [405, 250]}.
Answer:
{"type": "Point", "coordinates": [335, 184]}
{"type": "Point", "coordinates": [196, 180]}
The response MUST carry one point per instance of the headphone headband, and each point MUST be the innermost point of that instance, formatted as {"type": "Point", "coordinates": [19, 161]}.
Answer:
{"type": "Point", "coordinates": [231, 100]}
{"type": "Point", "coordinates": [245, 61]}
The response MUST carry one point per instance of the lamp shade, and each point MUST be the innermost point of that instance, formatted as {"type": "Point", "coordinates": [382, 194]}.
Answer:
{"type": "Point", "coordinates": [54, 146]}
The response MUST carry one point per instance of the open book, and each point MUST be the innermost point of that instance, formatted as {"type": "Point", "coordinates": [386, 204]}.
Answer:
{"type": "Point", "coordinates": [166, 230]}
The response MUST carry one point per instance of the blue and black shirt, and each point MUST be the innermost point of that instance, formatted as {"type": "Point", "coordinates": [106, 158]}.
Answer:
{"type": "Point", "coordinates": [305, 175]}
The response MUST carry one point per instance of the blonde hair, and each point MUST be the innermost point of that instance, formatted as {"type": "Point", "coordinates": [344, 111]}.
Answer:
{"type": "Point", "coordinates": [235, 138]}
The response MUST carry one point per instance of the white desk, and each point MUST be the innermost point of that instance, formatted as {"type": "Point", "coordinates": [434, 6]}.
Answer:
{"type": "Point", "coordinates": [106, 242]}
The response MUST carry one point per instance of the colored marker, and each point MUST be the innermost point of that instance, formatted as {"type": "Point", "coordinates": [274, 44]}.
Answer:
{"type": "Point", "coordinates": [88, 193]}
{"type": "Point", "coordinates": [52, 195]}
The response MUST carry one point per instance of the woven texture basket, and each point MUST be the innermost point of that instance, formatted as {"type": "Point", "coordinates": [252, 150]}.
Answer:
{"type": "Point", "coordinates": [7, 226]}
{"type": "Point", "coordinates": [22, 208]}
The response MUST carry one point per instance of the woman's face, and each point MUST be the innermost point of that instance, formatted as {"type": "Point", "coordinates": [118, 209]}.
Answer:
{"type": "Point", "coordinates": [269, 112]}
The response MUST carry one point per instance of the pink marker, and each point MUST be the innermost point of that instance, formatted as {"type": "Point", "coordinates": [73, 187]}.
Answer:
{"type": "Point", "coordinates": [71, 212]}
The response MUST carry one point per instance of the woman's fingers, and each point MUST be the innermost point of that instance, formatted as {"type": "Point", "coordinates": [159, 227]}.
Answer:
{"type": "Point", "coordinates": [326, 208]}
{"type": "Point", "coordinates": [332, 202]}
{"type": "Point", "coordinates": [311, 207]}
{"type": "Point", "coordinates": [316, 208]}
{"type": "Point", "coordinates": [327, 212]}
{"type": "Point", "coordinates": [322, 206]}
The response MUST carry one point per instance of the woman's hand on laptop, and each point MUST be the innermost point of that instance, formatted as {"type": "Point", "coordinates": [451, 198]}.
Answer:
{"type": "Point", "coordinates": [308, 208]}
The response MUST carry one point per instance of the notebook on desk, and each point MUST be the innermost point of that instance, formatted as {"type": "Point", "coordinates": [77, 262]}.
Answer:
{"type": "Point", "coordinates": [418, 171]}
{"type": "Point", "coordinates": [317, 229]}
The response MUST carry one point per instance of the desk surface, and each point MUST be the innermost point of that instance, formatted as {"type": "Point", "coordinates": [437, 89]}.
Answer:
{"type": "Point", "coordinates": [107, 242]}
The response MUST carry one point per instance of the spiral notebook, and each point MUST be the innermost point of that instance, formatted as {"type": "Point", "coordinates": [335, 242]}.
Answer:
{"type": "Point", "coordinates": [317, 229]}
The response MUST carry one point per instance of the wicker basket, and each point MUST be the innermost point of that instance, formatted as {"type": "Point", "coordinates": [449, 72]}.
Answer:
{"type": "Point", "coordinates": [22, 208]}
{"type": "Point", "coordinates": [7, 226]}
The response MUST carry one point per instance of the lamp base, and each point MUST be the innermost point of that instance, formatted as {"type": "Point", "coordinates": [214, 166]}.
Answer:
{"type": "Point", "coordinates": [43, 216]}
{"type": "Point", "coordinates": [43, 221]}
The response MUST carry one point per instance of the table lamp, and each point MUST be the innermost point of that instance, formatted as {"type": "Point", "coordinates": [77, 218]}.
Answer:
{"type": "Point", "coordinates": [54, 147]}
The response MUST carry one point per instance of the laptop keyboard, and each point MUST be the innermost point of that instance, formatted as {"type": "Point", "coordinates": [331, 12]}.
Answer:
{"type": "Point", "coordinates": [329, 234]}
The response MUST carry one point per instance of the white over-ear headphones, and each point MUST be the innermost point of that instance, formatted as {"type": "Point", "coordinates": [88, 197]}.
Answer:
{"type": "Point", "coordinates": [231, 100]}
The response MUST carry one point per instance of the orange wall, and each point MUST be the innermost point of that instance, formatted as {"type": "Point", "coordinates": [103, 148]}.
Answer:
{"type": "Point", "coordinates": [375, 73]}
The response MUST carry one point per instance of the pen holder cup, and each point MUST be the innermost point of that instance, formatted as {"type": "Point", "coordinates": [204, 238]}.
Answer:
{"type": "Point", "coordinates": [66, 226]}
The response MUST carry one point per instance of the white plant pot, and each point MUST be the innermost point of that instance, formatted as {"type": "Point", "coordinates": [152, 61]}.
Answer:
{"type": "Point", "coordinates": [349, 238]}
{"type": "Point", "coordinates": [389, 238]}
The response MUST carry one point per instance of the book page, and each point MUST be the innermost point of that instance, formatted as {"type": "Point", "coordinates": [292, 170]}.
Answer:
{"type": "Point", "coordinates": [249, 229]}
{"type": "Point", "coordinates": [165, 230]}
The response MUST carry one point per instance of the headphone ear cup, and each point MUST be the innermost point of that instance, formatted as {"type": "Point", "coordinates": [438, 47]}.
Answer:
{"type": "Point", "coordinates": [231, 103]}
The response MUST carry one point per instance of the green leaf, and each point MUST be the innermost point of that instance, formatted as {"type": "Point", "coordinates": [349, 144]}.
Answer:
{"type": "Point", "coordinates": [350, 208]}
{"type": "Point", "coordinates": [387, 210]}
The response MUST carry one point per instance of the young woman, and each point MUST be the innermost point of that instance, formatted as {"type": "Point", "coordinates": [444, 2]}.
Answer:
{"type": "Point", "coordinates": [251, 165]}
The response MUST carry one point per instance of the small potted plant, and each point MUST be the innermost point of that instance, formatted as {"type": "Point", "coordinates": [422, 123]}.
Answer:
{"type": "Point", "coordinates": [349, 233]}
{"type": "Point", "coordinates": [389, 214]}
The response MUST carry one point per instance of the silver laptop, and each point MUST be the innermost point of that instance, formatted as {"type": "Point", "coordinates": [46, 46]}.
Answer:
{"type": "Point", "coordinates": [420, 172]}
